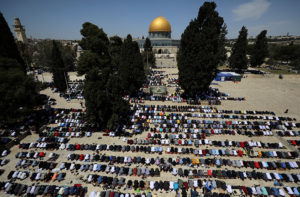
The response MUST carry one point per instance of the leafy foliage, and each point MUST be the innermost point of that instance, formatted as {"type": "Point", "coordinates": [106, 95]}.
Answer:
{"type": "Point", "coordinates": [101, 62]}
{"type": "Point", "coordinates": [287, 53]}
{"type": "Point", "coordinates": [26, 52]}
{"type": "Point", "coordinates": [148, 55]}
{"type": "Point", "coordinates": [42, 56]}
{"type": "Point", "coordinates": [60, 76]}
{"type": "Point", "coordinates": [115, 50]}
{"type": "Point", "coordinates": [260, 49]}
{"type": "Point", "coordinates": [131, 70]}
{"type": "Point", "coordinates": [18, 91]}
{"type": "Point", "coordinates": [238, 59]}
{"type": "Point", "coordinates": [201, 50]}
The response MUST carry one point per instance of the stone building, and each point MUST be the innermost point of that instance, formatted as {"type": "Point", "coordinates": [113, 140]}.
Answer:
{"type": "Point", "coordinates": [20, 31]}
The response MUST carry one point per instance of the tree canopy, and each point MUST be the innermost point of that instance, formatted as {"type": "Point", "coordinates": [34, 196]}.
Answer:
{"type": "Point", "coordinates": [238, 59]}
{"type": "Point", "coordinates": [42, 55]}
{"type": "Point", "coordinates": [18, 91]}
{"type": "Point", "coordinates": [148, 54]}
{"type": "Point", "coordinates": [201, 50]}
{"type": "Point", "coordinates": [58, 69]}
{"type": "Point", "coordinates": [102, 62]}
{"type": "Point", "coordinates": [131, 69]}
{"type": "Point", "coordinates": [260, 50]}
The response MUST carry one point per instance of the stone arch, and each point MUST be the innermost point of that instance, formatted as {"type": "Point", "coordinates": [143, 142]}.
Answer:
{"type": "Point", "coordinates": [159, 51]}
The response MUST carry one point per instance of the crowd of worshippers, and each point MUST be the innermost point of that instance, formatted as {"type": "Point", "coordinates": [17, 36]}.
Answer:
{"type": "Point", "coordinates": [111, 169]}
{"type": "Point", "coordinates": [154, 149]}
{"type": "Point", "coordinates": [145, 172]}
{"type": "Point", "coordinates": [202, 109]}
{"type": "Point", "coordinates": [184, 193]}
{"type": "Point", "coordinates": [164, 164]}
{"type": "Point", "coordinates": [36, 176]}
{"type": "Point", "coordinates": [173, 121]}
{"type": "Point", "coordinates": [36, 155]}
{"type": "Point", "coordinates": [268, 191]}
{"type": "Point", "coordinates": [165, 115]}
{"type": "Point", "coordinates": [74, 90]}
{"type": "Point", "coordinates": [153, 185]}
{"type": "Point", "coordinates": [188, 140]}
{"type": "Point", "coordinates": [172, 82]}
{"type": "Point", "coordinates": [28, 163]}
{"type": "Point", "coordinates": [155, 79]}
{"type": "Point", "coordinates": [18, 189]}
{"type": "Point", "coordinates": [109, 193]}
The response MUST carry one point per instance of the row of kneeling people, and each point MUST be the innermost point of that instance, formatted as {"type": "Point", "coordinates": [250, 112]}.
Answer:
{"type": "Point", "coordinates": [65, 134]}
{"type": "Point", "coordinates": [53, 139]}
{"type": "Point", "coordinates": [181, 118]}
{"type": "Point", "coordinates": [180, 139]}
{"type": "Point", "coordinates": [270, 165]}
{"type": "Point", "coordinates": [110, 193]}
{"type": "Point", "coordinates": [153, 185]}
{"type": "Point", "coordinates": [160, 149]}
{"type": "Point", "coordinates": [34, 190]}
{"type": "Point", "coordinates": [202, 108]}
{"type": "Point", "coordinates": [288, 133]}
{"type": "Point", "coordinates": [241, 117]}
{"type": "Point", "coordinates": [127, 171]}
{"type": "Point", "coordinates": [35, 155]}
{"type": "Point", "coordinates": [26, 163]}
{"type": "Point", "coordinates": [268, 191]}
{"type": "Point", "coordinates": [32, 155]}
{"type": "Point", "coordinates": [36, 176]}
{"type": "Point", "coordinates": [208, 130]}
{"type": "Point", "coordinates": [173, 117]}
{"type": "Point", "coordinates": [232, 174]}
{"type": "Point", "coordinates": [184, 193]}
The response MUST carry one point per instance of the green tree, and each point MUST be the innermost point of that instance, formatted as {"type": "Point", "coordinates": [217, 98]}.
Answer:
{"type": "Point", "coordinates": [238, 59]}
{"type": "Point", "coordinates": [8, 47]}
{"type": "Point", "coordinates": [26, 52]}
{"type": "Point", "coordinates": [100, 62]}
{"type": "Point", "coordinates": [87, 61]}
{"type": "Point", "coordinates": [148, 55]}
{"type": "Point", "coordinates": [201, 50]}
{"type": "Point", "coordinates": [131, 71]}
{"type": "Point", "coordinates": [43, 50]}
{"type": "Point", "coordinates": [260, 49]}
{"type": "Point", "coordinates": [18, 91]}
{"type": "Point", "coordinates": [60, 76]}
{"type": "Point", "coordinates": [115, 50]}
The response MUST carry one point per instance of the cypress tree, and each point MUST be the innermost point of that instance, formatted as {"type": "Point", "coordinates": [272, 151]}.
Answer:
{"type": "Point", "coordinates": [60, 76]}
{"type": "Point", "coordinates": [260, 49]}
{"type": "Point", "coordinates": [102, 90]}
{"type": "Point", "coordinates": [115, 50]}
{"type": "Point", "coordinates": [201, 50]}
{"type": "Point", "coordinates": [132, 74]}
{"type": "Point", "coordinates": [148, 54]}
{"type": "Point", "coordinates": [18, 91]}
{"type": "Point", "coordinates": [238, 59]}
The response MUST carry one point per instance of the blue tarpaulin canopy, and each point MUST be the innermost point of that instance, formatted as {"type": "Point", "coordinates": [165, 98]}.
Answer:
{"type": "Point", "coordinates": [228, 76]}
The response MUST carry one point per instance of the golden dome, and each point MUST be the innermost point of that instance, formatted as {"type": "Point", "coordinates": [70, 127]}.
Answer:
{"type": "Point", "coordinates": [160, 24]}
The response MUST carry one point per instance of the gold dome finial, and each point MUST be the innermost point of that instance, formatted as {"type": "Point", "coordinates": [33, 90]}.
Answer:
{"type": "Point", "coordinates": [160, 24]}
